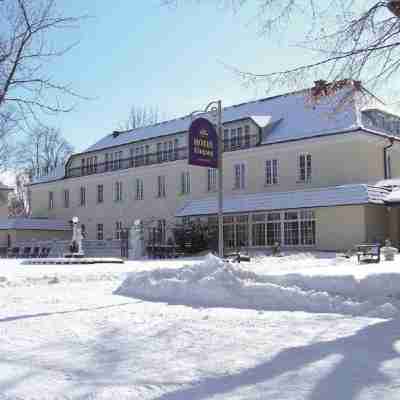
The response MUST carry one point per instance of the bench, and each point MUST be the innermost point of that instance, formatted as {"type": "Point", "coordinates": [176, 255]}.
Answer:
{"type": "Point", "coordinates": [368, 253]}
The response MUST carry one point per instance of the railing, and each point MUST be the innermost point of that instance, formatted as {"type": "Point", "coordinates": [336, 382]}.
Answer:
{"type": "Point", "coordinates": [234, 144]}
{"type": "Point", "coordinates": [131, 162]}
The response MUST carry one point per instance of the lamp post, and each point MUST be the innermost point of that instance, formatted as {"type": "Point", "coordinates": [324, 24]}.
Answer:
{"type": "Point", "coordinates": [216, 107]}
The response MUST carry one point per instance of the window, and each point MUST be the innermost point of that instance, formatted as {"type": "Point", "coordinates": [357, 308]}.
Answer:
{"type": "Point", "coordinates": [211, 180]}
{"type": "Point", "coordinates": [66, 198]}
{"type": "Point", "coordinates": [271, 172]}
{"type": "Point", "coordinates": [176, 146]}
{"type": "Point", "coordinates": [118, 230]}
{"type": "Point", "coordinates": [161, 186]}
{"type": "Point", "coordinates": [118, 191]}
{"type": "Point", "coordinates": [51, 200]}
{"type": "Point", "coordinates": [159, 152]}
{"type": "Point", "coordinates": [161, 231]}
{"type": "Point", "coordinates": [240, 136]}
{"type": "Point", "coordinates": [100, 193]}
{"type": "Point", "coordinates": [165, 152]}
{"type": "Point", "coordinates": [132, 157]}
{"type": "Point", "coordinates": [82, 196]}
{"type": "Point", "coordinates": [258, 229]}
{"type": "Point", "coordinates": [117, 161]}
{"type": "Point", "coordinates": [247, 136]}
{"type": "Point", "coordinates": [138, 189]}
{"type": "Point", "coordinates": [307, 228]}
{"type": "Point", "coordinates": [82, 166]}
{"type": "Point", "coordinates": [234, 138]}
{"type": "Point", "coordinates": [83, 230]}
{"type": "Point", "coordinates": [106, 162]}
{"type": "Point", "coordinates": [242, 231]}
{"type": "Point", "coordinates": [95, 163]}
{"type": "Point", "coordinates": [170, 150]}
{"type": "Point", "coordinates": [291, 228]}
{"type": "Point", "coordinates": [185, 183]}
{"type": "Point", "coordinates": [147, 154]}
{"type": "Point", "coordinates": [273, 228]}
{"type": "Point", "coordinates": [239, 176]}
{"type": "Point", "coordinates": [226, 139]}
{"type": "Point", "coordinates": [305, 168]}
{"type": "Point", "coordinates": [111, 161]}
{"type": "Point", "coordinates": [100, 232]}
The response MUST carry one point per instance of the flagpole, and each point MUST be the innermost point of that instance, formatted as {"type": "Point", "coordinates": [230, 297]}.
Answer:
{"type": "Point", "coordinates": [216, 106]}
{"type": "Point", "coordinates": [220, 184]}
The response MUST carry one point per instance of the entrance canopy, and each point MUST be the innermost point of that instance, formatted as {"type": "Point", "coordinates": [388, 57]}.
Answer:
{"type": "Point", "coordinates": [319, 197]}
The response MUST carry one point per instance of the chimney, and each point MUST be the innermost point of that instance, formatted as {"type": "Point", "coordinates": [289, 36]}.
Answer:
{"type": "Point", "coordinates": [320, 88]}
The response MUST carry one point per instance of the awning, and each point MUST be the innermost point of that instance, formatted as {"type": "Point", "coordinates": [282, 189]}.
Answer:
{"type": "Point", "coordinates": [311, 198]}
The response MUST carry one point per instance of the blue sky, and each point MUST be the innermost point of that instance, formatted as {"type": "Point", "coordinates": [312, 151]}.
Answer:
{"type": "Point", "coordinates": [139, 53]}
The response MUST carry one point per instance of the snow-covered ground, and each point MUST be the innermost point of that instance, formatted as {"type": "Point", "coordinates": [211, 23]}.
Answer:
{"type": "Point", "coordinates": [82, 332]}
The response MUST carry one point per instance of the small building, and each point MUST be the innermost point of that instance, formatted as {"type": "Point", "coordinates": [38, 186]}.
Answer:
{"type": "Point", "coordinates": [18, 230]}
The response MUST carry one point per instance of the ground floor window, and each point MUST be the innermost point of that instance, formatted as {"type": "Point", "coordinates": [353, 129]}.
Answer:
{"type": "Point", "coordinates": [291, 228]}
{"type": "Point", "coordinates": [273, 228]}
{"type": "Point", "coordinates": [261, 229]}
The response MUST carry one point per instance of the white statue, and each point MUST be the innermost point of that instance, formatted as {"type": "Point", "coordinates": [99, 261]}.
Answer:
{"type": "Point", "coordinates": [136, 241]}
{"type": "Point", "coordinates": [76, 243]}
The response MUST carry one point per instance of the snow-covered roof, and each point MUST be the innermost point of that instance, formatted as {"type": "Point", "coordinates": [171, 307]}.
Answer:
{"type": "Point", "coordinates": [393, 197]}
{"type": "Point", "coordinates": [320, 197]}
{"type": "Point", "coordinates": [300, 116]}
{"type": "Point", "coordinates": [34, 224]}
{"type": "Point", "coordinates": [54, 175]}
{"type": "Point", "coordinates": [388, 182]}
{"type": "Point", "coordinates": [5, 187]}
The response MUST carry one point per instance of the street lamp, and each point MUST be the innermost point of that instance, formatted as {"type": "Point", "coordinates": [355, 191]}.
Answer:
{"type": "Point", "coordinates": [216, 107]}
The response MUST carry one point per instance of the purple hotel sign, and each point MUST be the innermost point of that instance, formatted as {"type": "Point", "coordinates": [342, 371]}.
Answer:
{"type": "Point", "coordinates": [203, 144]}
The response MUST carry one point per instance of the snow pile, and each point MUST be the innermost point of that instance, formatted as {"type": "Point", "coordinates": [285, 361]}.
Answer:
{"type": "Point", "coordinates": [215, 283]}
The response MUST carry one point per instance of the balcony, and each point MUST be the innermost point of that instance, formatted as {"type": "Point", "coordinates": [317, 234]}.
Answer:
{"type": "Point", "coordinates": [181, 153]}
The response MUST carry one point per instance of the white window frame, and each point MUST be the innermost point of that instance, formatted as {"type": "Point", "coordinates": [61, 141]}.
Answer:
{"type": "Point", "coordinates": [161, 186]}
{"type": "Point", "coordinates": [305, 168]}
{"type": "Point", "coordinates": [185, 182]}
{"type": "Point", "coordinates": [271, 172]}
{"type": "Point", "coordinates": [82, 196]}
{"type": "Point", "coordinates": [100, 199]}
{"type": "Point", "coordinates": [66, 198]}
{"type": "Point", "coordinates": [118, 230]}
{"type": "Point", "coordinates": [118, 191]}
{"type": "Point", "coordinates": [212, 179]}
{"type": "Point", "coordinates": [138, 189]}
{"type": "Point", "coordinates": [100, 232]}
{"type": "Point", "coordinates": [239, 176]}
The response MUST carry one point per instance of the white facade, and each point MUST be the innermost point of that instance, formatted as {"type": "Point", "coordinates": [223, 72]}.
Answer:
{"type": "Point", "coordinates": [287, 146]}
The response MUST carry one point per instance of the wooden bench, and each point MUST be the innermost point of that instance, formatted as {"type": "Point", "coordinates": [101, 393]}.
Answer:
{"type": "Point", "coordinates": [368, 253]}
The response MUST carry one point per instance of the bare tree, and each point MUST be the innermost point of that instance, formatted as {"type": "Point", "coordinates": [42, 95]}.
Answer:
{"type": "Point", "coordinates": [19, 201]}
{"type": "Point", "coordinates": [43, 149]}
{"type": "Point", "coordinates": [353, 40]}
{"type": "Point", "coordinates": [140, 116]}
{"type": "Point", "coordinates": [28, 30]}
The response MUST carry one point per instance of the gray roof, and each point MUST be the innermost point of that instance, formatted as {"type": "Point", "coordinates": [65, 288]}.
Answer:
{"type": "Point", "coordinates": [300, 118]}
{"type": "Point", "coordinates": [5, 187]}
{"type": "Point", "coordinates": [320, 197]}
{"type": "Point", "coordinates": [34, 224]}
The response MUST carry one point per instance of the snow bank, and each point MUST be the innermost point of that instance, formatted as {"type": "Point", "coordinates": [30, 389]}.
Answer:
{"type": "Point", "coordinates": [216, 283]}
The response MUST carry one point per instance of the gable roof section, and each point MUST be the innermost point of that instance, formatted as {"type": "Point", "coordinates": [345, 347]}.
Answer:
{"type": "Point", "coordinates": [34, 224]}
{"type": "Point", "coordinates": [320, 197]}
{"type": "Point", "coordinates": [299, 117]}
